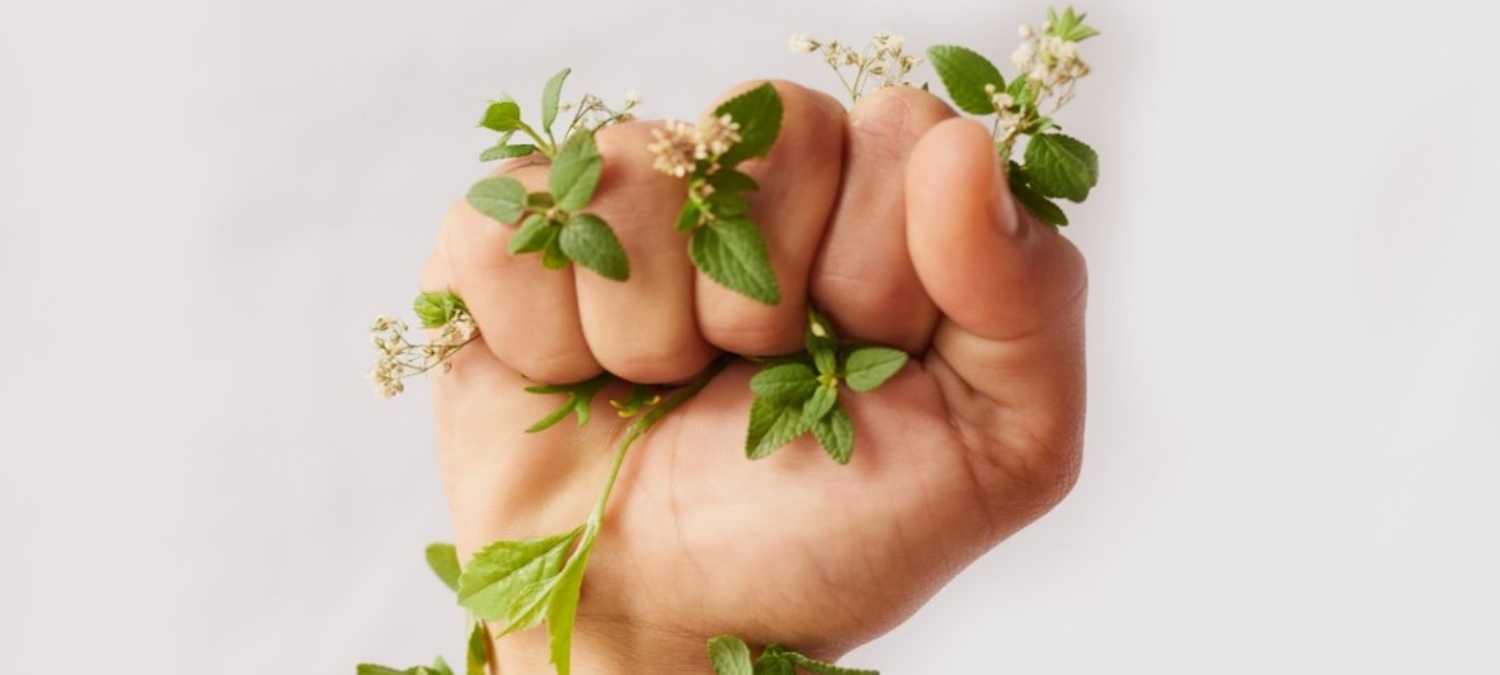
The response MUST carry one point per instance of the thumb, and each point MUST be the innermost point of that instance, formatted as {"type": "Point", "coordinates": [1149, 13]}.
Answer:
{"type": "Point", "coordinates": [1009, 347]}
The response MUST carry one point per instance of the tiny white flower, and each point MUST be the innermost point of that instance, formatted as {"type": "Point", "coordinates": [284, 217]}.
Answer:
{"type": "Point", "coordinates": [802, 44]}
{"type": "Point", "coordinates": [632, 98]}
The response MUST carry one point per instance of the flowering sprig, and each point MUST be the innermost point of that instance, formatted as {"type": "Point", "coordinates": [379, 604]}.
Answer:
{"type": "Point", "coordinates": [1056, 166]}
{"type": "Point", "coordinates": [884, 58]}
{"type": "Point", "coordinates": [724, 242]}
{"type": "Point", "coordinates": [400, 358]}
{"type": "Point", "coordinates": [590, 115]}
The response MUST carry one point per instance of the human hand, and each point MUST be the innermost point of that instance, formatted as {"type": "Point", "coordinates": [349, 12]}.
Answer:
{"type": "Point", "coordinates": [893, 220]}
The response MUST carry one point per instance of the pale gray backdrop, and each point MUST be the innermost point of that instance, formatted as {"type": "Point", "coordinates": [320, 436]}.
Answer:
{"type": "Point", "coordinates": [1293, 445]}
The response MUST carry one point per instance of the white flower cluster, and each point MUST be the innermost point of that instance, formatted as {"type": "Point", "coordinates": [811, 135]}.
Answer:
{"type": "Point", "coordinates": [1009, 115]}
{"type": "Point", "coordinates": [679, 146]}
{"type": "Point", "coordinates": [884, 58]}
{"type": "Point", "coordinates": [1050, 62]}
{"type": "Point", "coordinates": [400, 359]}
{"type": "Point", "coordinates": [593, 114]}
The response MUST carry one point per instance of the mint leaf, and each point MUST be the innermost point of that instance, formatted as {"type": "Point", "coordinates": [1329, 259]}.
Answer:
{"type": "Point", "coordinates": [503, 151]}
{"type": "Point", "coordinates": [727, 205]}
{"type": "Point", "coordinates": [505, 575]}
{"type": "Point", "coordinates": [1061, 166]}
{"type": "Point", "coordinates": [1069, 26]}
{"type": "Point", "coordinates": [575, 171]}
{"type": "Point", "coordinates": [501, 198]}
{"type": "Point", "coordinates": [562, 609]}
{"type": "Point", "coordinates": [436, 308]}
{"type": "Point", "coordinates": [440, 667]}
{"type": "Point", "coordinates": [731, 180]}
{"type": "Point", "coordinates": [733, 253]}
{"type": "Point", "coordinates": [824, 668]}
{"type": "Point", "coordinates": [818, 405]}
{"type": "Point", "coordinates": [587, 239]}
{"type": "Point", "coordinates": [774, 664]}
{"type": "Point", "coordinates": [1044, 209]}
{"type": "Point", "coordinates": [580, 397]}
{"type": "Point", "coordinates": [552, 256]}
{"type": "Point", "coordinates": [443, 559]}
{"type": "Point", "coordinates": [758, 112]}
{"type": "Point", "coordinates": [729, 656]}
{"type": "Point", "coordinates": [866, 368]}
{"type": "Point", "coordinates": [502, 116]}
{"type": "Point", "coordinates": [551, 92]}
{"type": "Point", "coordinates": [688, 217]}
{"type": "Point", "coordinates": [372, 669]}
{"type": "Point", "coordinates": [534, 235]}
{"type": "Point", "coordinates": [965, 73]}
{"type": "Point", "coordinates": [477, 656]}
{"type": "Point", "coordinates": [835, 432]}
{"type": "Point", "coordinates": [785, 383]}
{"type": "Point", "coordinates": [773, 424]}
{"type": "Point", "coordinates": [821, 342]}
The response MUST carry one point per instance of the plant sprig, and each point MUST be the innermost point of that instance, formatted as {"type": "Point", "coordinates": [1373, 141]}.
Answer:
{"type": "Point", "coordinates": [730, 655]}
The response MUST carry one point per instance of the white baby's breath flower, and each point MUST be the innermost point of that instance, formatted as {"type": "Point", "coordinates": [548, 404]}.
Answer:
{"type": "Point", "coordinates": [802, 44]}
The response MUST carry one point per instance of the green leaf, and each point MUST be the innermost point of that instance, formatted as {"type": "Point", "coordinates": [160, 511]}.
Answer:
{"type": "Point", "coordinates": [506, 152]}
{"type": "Point", "coordinates": [477, 656]}
{"type": "Point", "coordinates": [731, 180]}
{"type": "Point", "coordinates": [758, 112]}
{"type": "Point", "coordinates": [835, 432]}
{"type": "Point", "coordinates": [773, 424]}
{"type": "Point", "coordinates": [587, 239]}
{"type": "Point", "coordinates": [866, 368]}
{"type": "Point", "coordinates": [733, 253]}
{"type": "Point", "coordinates": [824, 668]}
{"type": "Point", "coordinates": [818, 405]}
{"type": "Point", "coordinates": [534, 235]}
{"type": "Point", "coordinates": [821, 342]}
{"type": "Point", "coordinates": [540, 201]}
{"type": "Point", "coordinates": [436, 308]}
{"type": "Point", "coordinates": [440, 667]}
{"type": "Point", "coordinates": [965, 73]}
{"type": "Point", "coordinates": [575, 171]}
{"type": "Point", "coordinates": [502, 577]}
{"type": "Point", "coordinates": [1044, 209]}
{"type": "Point", "coordinates": [786, 383]}
{"type": "Point", "coordinates": [1061, 166]}
{"type": "Point", "coordinates": [580, 398]}
{"type": "Point", "coordinates": [727, 205]}
{"type": "Point", "coordinates": [774, 664]}
{"type": "Point", "coordinates": [501, 198]}
{"type": "Point", "coordinates": [551, 92]}
{"type": "Point", "coordinates": [443, 559]}
{"type": "Point", "coordinates": [562, 610]}
{"type": "Point", "coordinates": [729, 656]}
{"type": "Point", "coordinates": [1069, 26]}
{"type": "Point", "coordinates": [552, 256]}
{"type": "Point", "coordinates": [689, 217]}
{"type": "Point", "coordinates": [372, 669]}
{"type": "Point", "coordinates": [502, 116]}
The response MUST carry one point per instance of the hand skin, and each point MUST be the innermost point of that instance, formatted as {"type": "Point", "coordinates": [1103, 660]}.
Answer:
{"type": "Point", "coordinates": [893, 219]}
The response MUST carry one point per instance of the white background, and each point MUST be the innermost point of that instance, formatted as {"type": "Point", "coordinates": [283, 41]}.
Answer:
{"type": "Point", "coordinates": [1293, 444]}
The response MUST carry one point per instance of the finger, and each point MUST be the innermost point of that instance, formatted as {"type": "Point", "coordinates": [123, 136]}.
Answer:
{"type": "Point", "coordinates": [527, 314]}
{"type": "Point", "coordinates": [863, 278]}
{"type": "Point", "coordinates": [798, 184]}
{"type": "Point", "coordinates": [645, 329]}
{"type": "Point", "coordinates": [1009, 348]}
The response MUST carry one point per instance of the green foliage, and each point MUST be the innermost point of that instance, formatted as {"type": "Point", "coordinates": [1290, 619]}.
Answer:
{"type": "Point", "coordinates": [580, 397]}
{"type": "Point", "coordinates": [759, 113]}
{"type": "Point", "coordinates": [503, 116]}
{"type": "Point", "coordinates": [504, 151]}
{"type": "Point", "coordinates": [443, 559]}
{"type": "Point", "coordinates": [966, 74]}
{"type": "Point", "coordinates": [436, 308]}
{"type": "Point", "coordinates": [551, 94]}
{"type": "Point", "coordinates": [732, 252]}
{"type": "Point", "coordinates": [587, 240]}
{"type": "Point", "coordinates": [1061, 166]}
{"type": "Point", "coordinates": [511, 582]}
{"type": "Point", "coordinates": [501, 198]}
{"type": "Point", "coordinates": [575, 171]}
{"type": "Point", "coordinates": [730, 655]}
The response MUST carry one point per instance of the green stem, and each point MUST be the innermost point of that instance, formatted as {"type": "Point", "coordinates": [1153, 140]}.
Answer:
{"type": "Point", "coordinates": [638, 429]}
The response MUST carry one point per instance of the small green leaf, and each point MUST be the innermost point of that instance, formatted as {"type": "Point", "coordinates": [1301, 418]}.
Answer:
{"type": "Point", "coordinates": [540, 201]}
{"type": "Point", "coordinates": [731, 180]}
{"type": "Point", "coordinates": [818, 405]}
{"type": "Point", "coordinates": [732, 252]}
{"type": "Point", "coordinates": [730, 656]}
{"type": "Point", "coordinates": [787, 382]}
{"type": "Point", "coordinates": [551, 92]}
{"type": "Point", "coordinates": [575, 171]}
{"type": "Point", "coordinates": [1044, 209]}
{"type": "Point", "coordinates": [533, 236]}
{"type": "Point", "coordinates": [436, 308]}
{"type": "Point", "coordinates": [440, 667]}
{"type": "Point", "coordinates": [774, 664]}
{"type": "Point", "coordinates": [1061, 166]}
{"type": "Point", "coordinates": [689, 217]}
{"type": "Point", "coordinates": [500, 578]}
{"type": "Point", "coordinates": [506, 152]}
{"type": "Point", "coordinates": [965, 73]}
{"type": "Point", "coordinates": [372, 669]}
{"type": "Point", "coordinates": [501, 198]}
{"type": "Point", "coordinates": [758, 112]}
{"type": "Point", "coordinates": [580, 398]}
{"type": "Point", "coordinates": [553, 257]}
{"type": "Point", "coordinates": [443, 559]}
{"type": "Point", "coordinates": [824, 668]}
{"type": "Point", "coordinates": [822, 342]}
{"type": "Point", "coordinates": [502, 116]}
{"type": "Point", "coordinates": [773, 424]}
{"type": "Point", "coordinates": [562, 610]}
{"type": "Point", "coordinates": [835, 432]}
{"type": "Point", "coordinates": [477, 656]}
{"type": "Point", "coordinates": [866, 368]}
{"type": "Point", "coordinates": [588, 241]}
{"type": "Point", "coordinates": [728, 205]}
